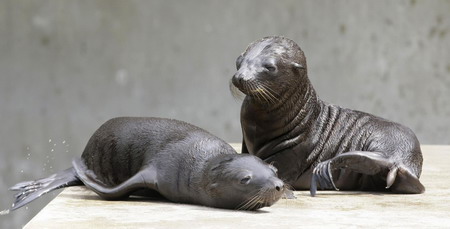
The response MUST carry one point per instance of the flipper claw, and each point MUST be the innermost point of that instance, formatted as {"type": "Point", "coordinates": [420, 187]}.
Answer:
{"type": "Point", "coordinates": [322, 174]}
{"type": "Point", "coordinates": [390, 179]}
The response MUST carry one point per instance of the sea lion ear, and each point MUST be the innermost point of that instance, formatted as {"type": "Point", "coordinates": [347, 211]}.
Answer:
{"type": "Point", "coordinates": [213, 187]}
{"type": "Point", "coordinates": [297, 65]}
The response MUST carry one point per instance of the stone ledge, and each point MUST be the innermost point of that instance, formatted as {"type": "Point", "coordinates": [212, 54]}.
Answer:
{"type": "Point", "coordinates": [78, 207]}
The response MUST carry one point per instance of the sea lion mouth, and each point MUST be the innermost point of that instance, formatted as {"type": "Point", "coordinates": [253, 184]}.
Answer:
{"type": "Point", "coordinates": [256, 89]}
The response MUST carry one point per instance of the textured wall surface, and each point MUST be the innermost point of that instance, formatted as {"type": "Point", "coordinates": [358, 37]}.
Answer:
{"type": "Point", "coordinates": [68, 66]}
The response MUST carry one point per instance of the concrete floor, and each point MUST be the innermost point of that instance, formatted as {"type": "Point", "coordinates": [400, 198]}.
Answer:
{"type": "Point", "coordinates": [78, 207]}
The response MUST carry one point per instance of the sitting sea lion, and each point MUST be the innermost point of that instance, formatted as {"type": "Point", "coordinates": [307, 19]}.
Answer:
{"type": "Point", "coordinates": [181, 162]}
{"type": "Point", "coordinates": [313, 142]}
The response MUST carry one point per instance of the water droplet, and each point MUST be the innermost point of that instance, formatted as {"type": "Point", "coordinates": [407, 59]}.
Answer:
{"type": "Point", "coordinates": [67, 151]}
{"type": "Point", "coordinates": [64, 141]}
{"type": "Point", "coordinates": [4, 212]}
{"type": "Point", "coordinates": [29, 154]}
{"type": "Point", "coordinates": [54, 144]}
{"type": "Point", "coordinates": [50, 140]}
{"type": "Point", "coordinates": [28, 148]}
{"type": "Point", "coordinates": [51, 167]}
{"type": "Point", "coordinates": [26, 207]}
{"type": "Point", "coordinates": [21, 171]}
{"type": "Point", "coordinates": [52, 150]}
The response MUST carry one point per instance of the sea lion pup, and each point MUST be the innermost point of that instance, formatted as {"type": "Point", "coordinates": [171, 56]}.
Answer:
{"type": "Point", "coordinates": [181, 162]}
{"type": "Point", "coordinates": [312, 142]}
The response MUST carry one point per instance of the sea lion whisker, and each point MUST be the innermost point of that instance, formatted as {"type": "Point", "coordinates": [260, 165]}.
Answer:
{"type": "Point", "coordinates": [267, 91]}
{"type": "Point", "coordinates": [252, 201]}
{"type": "Point", "coordinates": [274, 95]}
{"type": "Point", "coordinates": [235, 92]}
{"type": "Point", "coordinates": [267, 94]}
{"type": "Point", "coordinates": [267, 86]}
{"type": "Point", "coordinates": [247, 203]}
{"type": "Point", "coordinates": [268, 196]}
{"type": "Point", "coordinates": [263, 92]}
{"type": "Point", "coordinates": [287, 186]}
{"type": "Point", "coordinates": [254, 206]}
{"type": "Point", "coordinates": [256, 92]}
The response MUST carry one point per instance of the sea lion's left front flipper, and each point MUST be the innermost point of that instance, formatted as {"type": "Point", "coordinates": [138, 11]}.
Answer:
{"type": "Point", "coordinates": [144, 179]}
{"type": "Point", "coordinates": [399, 179]}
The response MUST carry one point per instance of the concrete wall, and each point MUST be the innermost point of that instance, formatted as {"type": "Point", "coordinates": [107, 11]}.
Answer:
{"type": "Point", "coordinates": [68, 66]}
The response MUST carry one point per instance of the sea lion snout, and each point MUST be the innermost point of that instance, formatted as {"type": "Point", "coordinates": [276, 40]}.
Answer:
{"type": "Point", "coordinates": [278, 184]}
{"type": "Point", "coordinates": [248, 77]}
{"type": "Point", "coordinates": [240, 80]}
{"type": "Point", "coordinates": [245, 74]}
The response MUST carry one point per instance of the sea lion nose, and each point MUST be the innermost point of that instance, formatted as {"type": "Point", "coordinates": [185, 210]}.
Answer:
{"type": "Point", "coordinates": [237, 79]}
{"type": "Point", "coordinates": [278, 185]}
{"type": "Point", "coordinates": [240, 78]}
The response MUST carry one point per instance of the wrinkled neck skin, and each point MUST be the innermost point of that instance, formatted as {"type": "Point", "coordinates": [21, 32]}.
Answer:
{"type": "Point", "coordinates": [269, 129]}
{"type": "Point", "coordinates": [210, 185]}
{"type": "Point", "coordinates": [202, 181]}
{"type": "Point", "coordinates": [190, 179]}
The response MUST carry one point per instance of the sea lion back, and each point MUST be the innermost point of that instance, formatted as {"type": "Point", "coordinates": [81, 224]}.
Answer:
{"type": "Point", "coordinates": [122, 146]}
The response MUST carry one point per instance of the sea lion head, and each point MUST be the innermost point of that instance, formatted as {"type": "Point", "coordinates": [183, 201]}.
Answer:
{"type": "Point", "coordinates": [269, 69]}
{"type": "Point", "coordinates": [243, 182]}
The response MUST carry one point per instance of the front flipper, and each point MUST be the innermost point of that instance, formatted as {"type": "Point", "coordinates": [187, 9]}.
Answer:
{"type": "Point", "coordinates": [144, 179]}
{"type": "Point", "coordinates": [322, 175]}
{"type": "Point", "coordinates": [399, 179]}
{"type": "Point", "coordinates": [405, 182]}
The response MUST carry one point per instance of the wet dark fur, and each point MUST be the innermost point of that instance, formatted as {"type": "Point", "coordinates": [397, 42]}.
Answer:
{"type": "Point", "coordinates": [285, 123]}
{"type": "Point", "coordinates": [180, 161]}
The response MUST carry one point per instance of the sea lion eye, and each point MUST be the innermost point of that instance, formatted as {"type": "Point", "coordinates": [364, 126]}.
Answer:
{"type": "Point", "coordinates": [269, 67]}
{"type": "Point", "coordinates": [246, 179]}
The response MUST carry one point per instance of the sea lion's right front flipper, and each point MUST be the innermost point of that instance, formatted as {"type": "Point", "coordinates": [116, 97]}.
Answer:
{"type": "Point", "coordinates": [398, 178]}
{"type": "Point", "coordinates": [144, 179]}
{"type": "Point", "coordinates": [364, 162]}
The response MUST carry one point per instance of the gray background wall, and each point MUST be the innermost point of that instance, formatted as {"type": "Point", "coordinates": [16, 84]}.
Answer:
{"type": "Point", "coordinates": [68, 66]}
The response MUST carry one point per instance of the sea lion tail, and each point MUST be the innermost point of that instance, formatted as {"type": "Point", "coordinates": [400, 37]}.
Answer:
{"type": "Point", "coordinates": [28, 191]}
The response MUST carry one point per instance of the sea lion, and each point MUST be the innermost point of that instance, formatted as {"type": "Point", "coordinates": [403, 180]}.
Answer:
{"type": "Point", "coordinates": [312, 142]}
{"type": "Point", "coordinates": [181, 162]}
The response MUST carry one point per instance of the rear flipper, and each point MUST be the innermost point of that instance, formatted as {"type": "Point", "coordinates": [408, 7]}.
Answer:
{"type": "Point", "coordinates": [144, 179]}
{"type": "Point", "coordinates": [28, 191]}
{"type": "Point", "coordinates": [398, 178]}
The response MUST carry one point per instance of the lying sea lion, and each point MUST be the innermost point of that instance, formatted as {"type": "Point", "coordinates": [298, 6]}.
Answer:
{"type": "Point", "coordinates": [181, 162]}
{"type": "Point", "coordinates": [313, 142]}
